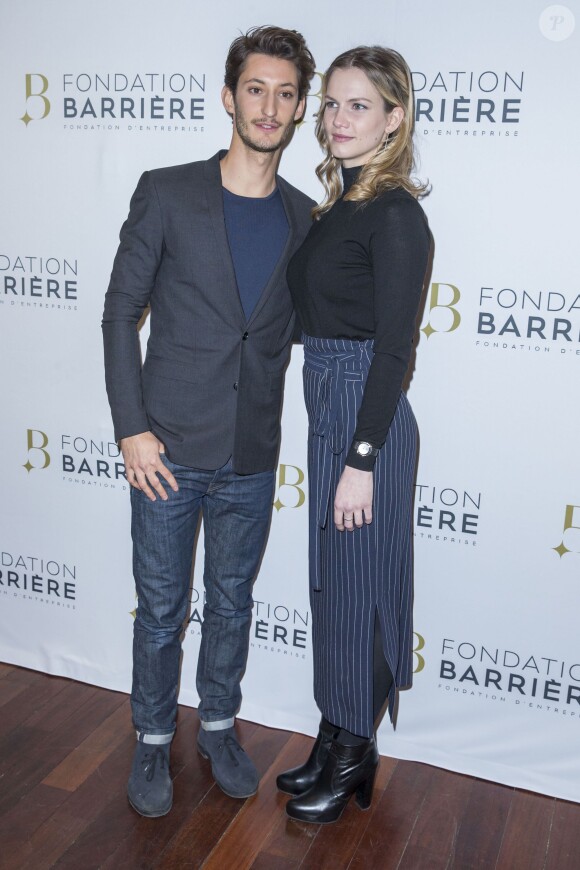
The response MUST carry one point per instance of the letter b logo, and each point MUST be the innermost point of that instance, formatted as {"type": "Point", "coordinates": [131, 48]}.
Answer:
{"type": "Point", "coordinates": [289, 478]}
{"type": "Point", "coordinates": [573, 538]}
{"type": "Point", "coordinates": [419, 659]}
{"type": "Point", "coordinates": [443, 316]}
{"type": "Point", "coordinates": [36, 88]}
{"type": "Point", "coordinates": [37, 441]}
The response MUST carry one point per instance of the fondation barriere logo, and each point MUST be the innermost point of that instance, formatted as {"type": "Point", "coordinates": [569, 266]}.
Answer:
{"type": "Point", "coordinates": [570, 542]}
{"type": "Point", "coordinates": [442, 311]}
{"type": "Point", "coordinates": [467, 103]}
{"type": "Point", "coordinates": [277, 627]}
{"type": "Point", "coordinates": [539, 320]}
{"type": "Point", "coordinates": [447, 514]}
{"type": "Point", "coordinates": [132, 100]}
{"type": "Point", "coordinates": [41, 283]}
{"type": "Point", "coordinates": [281, 629]}
{"type": "Point", "coordinates": [531, 320]}
{"type": "Point", "coordinates": [38, 580]}
{"type": "Point", "coordinates": [528, 679]}
{"type": "Point", "coordinates": [79, 459]}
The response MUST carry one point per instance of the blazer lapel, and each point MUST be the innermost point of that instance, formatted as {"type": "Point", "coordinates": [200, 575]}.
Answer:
{"type": "Point", "coordinates": [215, 204]}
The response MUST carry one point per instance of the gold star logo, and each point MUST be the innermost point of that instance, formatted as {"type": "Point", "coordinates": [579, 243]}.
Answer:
{"type": "Point", "coordinates": [428, 330]}
{"type": "Point", "coordinates": [28, 466]}
{"type": "Point", "coordinates": [26, 118]}
{"type": "Point", "coordinates": [278, 504]}
{"type": "Point", "coordinates": [561, 550]}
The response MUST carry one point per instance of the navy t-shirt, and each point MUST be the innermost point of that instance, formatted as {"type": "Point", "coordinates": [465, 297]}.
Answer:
{"type": "Point", "coordinates": [257, 229]}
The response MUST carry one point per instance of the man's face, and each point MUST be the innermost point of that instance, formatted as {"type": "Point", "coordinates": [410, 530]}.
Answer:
{"type": "Point", "coordinates": [265, 105]}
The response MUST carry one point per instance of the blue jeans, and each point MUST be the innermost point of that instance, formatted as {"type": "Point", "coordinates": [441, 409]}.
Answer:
{"type": "Point", "coordinates": [236, 513]}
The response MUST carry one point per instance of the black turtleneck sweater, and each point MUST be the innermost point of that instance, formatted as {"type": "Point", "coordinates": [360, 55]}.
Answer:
{"type": "Point", "coordinates": [359, 275]}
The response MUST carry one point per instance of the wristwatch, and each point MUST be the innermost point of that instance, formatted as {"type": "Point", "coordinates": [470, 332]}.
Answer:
{"type": "Point", "coordinates": [363, 448]}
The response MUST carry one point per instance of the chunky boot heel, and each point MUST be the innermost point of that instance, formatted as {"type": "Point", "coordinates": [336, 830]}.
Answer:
{"type": "Point", "coordinates": [300, 779]}
{"type": "Point", "coordinates": [364, 793]}
{"type": "Point", "coordinates": [348, 770]}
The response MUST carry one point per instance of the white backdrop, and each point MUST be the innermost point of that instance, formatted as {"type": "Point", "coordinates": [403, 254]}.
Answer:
{"type": "Point", "coordinates": [497, 539]}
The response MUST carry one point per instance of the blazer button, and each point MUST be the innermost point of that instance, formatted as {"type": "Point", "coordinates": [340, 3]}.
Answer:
{"type": "Point", "coordinates": [244, 336]}
{"type": "Point", "coordinates": [236, 385]}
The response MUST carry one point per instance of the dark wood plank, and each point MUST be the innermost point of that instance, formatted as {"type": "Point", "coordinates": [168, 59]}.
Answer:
{"type": "Point", "coordinates": [215, 813]}
{"type": "Point", "coordinates": [482, 827]}
{"type": "Point", "coordinates": [202, 827]}
{"type": "Point", "coordinates": [49, 717]}
{"type": "Point", "coordinates": [26, 676]}
{"type": "Point", "coordinates": [88, 755]}
{"type": "Point", "coordinates": [384, 843]}
{"type": "Point", "coordinates": [27, 703]}
{"type": "Point", "coordinates": [101, 797]}
{"type": "Point", "coordinates": [19, 824]}
{"type": "Point", "coordinates": [267, 861]}
{"type": "Point", "coordinates": [564, 841]}
{"type": "Point", "coordinates": [335, 846]}
{"type": "Point", "coordinates": [44, 753]}
{"type": "Point", "coordinates": [525, 840]}
{"type": "Point", "coordinates": [10, 689]}
{"type": "Point", "coordinates": [65, 755]}
{"type": "Point", "coordinates": [432, 841]}
{"type": "Point", "coordinates": [287, 839]}
{"type": "Point", "coordinates": [260, 813]}
{"type": "Point", "coordinates": [62, 706]}
{"type": "Point", "coordinates": [5, 669]}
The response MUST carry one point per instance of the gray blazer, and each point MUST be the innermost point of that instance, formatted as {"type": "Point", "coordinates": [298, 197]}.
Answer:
{"type": "Point", "coordinates": [211, 384]}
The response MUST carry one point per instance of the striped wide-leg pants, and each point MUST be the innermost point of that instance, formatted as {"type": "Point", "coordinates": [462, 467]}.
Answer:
{"type": "Point", "coordinates": [356, 576]}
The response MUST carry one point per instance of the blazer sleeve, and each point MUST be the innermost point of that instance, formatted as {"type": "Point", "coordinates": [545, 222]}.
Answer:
{"type": "Point", "coordinates": [132, 281]}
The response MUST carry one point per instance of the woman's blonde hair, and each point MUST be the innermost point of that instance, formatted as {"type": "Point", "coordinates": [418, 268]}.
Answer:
{"type": "Point", "coordinates": [393, 163]}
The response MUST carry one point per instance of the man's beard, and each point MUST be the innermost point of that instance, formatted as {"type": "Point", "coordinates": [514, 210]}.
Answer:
{"type": "Point", "coordinates": [242, 128]}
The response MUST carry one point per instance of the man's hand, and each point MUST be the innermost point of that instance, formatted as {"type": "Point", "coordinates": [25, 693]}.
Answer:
{"type": "Point", "coordinates": [143, 464]}
{"type": "Point", "coordinates": [353, 502]}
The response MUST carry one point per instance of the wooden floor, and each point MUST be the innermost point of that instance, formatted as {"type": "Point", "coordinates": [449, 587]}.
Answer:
{"type": "Point", "coordinates": [65, 754]}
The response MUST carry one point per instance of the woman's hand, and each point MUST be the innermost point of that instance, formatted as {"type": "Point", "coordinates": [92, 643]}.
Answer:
{"type": "Point", "coordinates": [353, 502]}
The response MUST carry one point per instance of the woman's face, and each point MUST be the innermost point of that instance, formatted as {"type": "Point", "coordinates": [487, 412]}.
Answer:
{"type": "Point", "coordinates": [355, 120]}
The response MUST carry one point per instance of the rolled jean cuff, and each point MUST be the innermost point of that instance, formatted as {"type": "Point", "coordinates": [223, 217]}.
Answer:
{"type": "Point", "coordinates": [154, 739]}
{"type": "Point", "coordinates": [218, 726]}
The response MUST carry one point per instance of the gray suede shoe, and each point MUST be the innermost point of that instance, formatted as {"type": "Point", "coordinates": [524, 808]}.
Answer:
{"type": "Point", "coordinates": [232, 769]}
{"type": "Point", "coordinates": [150, 790]}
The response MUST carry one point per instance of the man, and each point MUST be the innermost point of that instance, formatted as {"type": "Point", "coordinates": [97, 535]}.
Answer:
{"type": "Point", "coordinates": [206, 245]}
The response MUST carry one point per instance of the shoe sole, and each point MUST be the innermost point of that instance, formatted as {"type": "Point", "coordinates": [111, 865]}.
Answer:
{"type": "Point", "coordinates": [150, 815]}
{"type": "Point", "coordinates": [225, 791]}
{"type": "Point", "coordinates": [331, 821]}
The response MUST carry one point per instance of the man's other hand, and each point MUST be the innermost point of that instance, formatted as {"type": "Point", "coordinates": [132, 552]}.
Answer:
{"type": "Point", "coordinates": [144, 467]}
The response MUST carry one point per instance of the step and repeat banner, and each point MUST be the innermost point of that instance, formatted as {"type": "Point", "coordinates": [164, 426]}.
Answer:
{"type": "Point", "coordinates": [95, 94]}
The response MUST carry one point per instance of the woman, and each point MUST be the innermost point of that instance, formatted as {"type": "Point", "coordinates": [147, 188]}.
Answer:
{"type": "Point", "coordinates": [356, 284]}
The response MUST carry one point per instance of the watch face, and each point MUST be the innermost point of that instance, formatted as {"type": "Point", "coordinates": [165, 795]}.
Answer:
{"type": "Point", "coordinates": [363, 448]}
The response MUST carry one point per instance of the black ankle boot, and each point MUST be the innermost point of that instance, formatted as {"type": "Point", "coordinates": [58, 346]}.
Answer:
{"type": "Point", "coordinates": [348, 769]}
{"type": "Point", "coordinates": [300, 779]}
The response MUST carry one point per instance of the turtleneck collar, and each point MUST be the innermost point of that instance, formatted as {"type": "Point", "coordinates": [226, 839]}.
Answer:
{"type": "Point", "coordinates": [349, 176]}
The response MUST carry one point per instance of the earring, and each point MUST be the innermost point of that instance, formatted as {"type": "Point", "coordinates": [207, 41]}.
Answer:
{"type": "Point", "coordinates": [385, 142]}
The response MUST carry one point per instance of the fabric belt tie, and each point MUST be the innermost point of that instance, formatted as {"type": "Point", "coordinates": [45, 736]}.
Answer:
{"type": "Point", "coordinates": [328, 431]}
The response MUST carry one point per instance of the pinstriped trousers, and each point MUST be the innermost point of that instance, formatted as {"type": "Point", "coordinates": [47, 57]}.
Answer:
{"type": "Point", "coordinates": [355, 576]}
